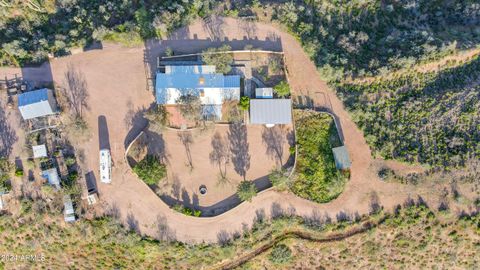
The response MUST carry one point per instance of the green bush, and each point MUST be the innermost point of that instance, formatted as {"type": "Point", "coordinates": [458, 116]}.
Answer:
{"type": "Point", "coordinates": [150, 170]}
{"type": "Point", "coordinates": [186, 210]}
{"type": "Point", "coordinates": [18, 172]}
{"type": "Point", "coordinates": [316, 178]}
{"type": "Point", "coordinates": [5, 171]}
{"type": "Point", "coordinates": [282, 89]}
{"type": "Point", "coordinates": [244, 103]}
{"type": "Point", "coordinates": [280, 254]}
{"type": "Point", "coordinates": [158, 115]}
{"type": "Point", "coordinates": [246, 190]}
{"type": "Point", "coordinates": [219, 58]}
{"type": "Point", "coordinates": [279, 179]}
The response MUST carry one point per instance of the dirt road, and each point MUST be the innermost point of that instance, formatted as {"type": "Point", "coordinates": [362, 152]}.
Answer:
{"type": "Point", "coordinates": [116, 82]}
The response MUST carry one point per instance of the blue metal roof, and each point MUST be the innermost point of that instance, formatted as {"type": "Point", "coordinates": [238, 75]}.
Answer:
{"type": "Point", "coordinates": [191, 83]}
{"type": "Point", "coordinates": [32, 97]}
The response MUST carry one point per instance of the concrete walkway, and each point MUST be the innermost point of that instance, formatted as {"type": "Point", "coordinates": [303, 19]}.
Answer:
{"type": "Point", "coordinates": [116, 82]}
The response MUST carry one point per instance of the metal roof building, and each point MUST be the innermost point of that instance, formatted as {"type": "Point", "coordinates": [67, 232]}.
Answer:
{"type": "Point", "coordinates": [52, 176]}
{"type": "Point", "coordinates": [200, 80]}
{"type": "Point", "coordinates": [270, 111]}
{"type": "Point", "coordinates": [264, 93]}
{"type": "Point", "coordinates": [39, 151]}
{"type": "Point", "coordinates": [68, 211]}
{"type": "Point", "coordinates": [342, 159]}
{"type": "Point", "coordinates": [197, 80]}
{"type": "Point", "coordinates": [37, 103]}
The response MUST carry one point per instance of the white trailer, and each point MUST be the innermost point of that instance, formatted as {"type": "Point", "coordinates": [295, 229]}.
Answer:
{"type": "Point", "coordinates": [105, 166]}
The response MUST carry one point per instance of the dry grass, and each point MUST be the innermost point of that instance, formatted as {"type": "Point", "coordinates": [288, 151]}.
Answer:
{"type": "Point", "coordinates": [416, 239]}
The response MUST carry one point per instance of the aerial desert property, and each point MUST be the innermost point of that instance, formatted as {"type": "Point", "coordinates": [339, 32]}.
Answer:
{"type": "Point", "coordinates": [239, 134]}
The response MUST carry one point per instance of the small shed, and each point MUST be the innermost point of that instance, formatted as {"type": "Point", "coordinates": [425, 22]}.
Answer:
{"type": "Point", "coordinates": [39, 151]}
{"type": "Point", "coordinates": [264, 93]}
{"type": "Point", "coordinates": [37, 103]}
{"type": "Point", "coordinates": [52, 176]}
{"type": "Point", "coordinates": [68, 211]}
{"type": "Point", "coordinates": [270, 111]}
{"type": "Point", "coordinates": [342, 159]}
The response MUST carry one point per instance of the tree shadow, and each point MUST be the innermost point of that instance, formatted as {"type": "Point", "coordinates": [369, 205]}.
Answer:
{"type": "Point", "coordinates": [260, 216]}
{"type": "Point", "coordinates": [75, 91]}
{"type": "Point", "coordinates": [220, 154]}
{"type": "Point", "coordinates": [213, 25]}
{"type": "Point", "coordinates": [103, 135]}
{"type": "Point", "coordinates": [237, 136]}
{"type": "Point", "coordinates": [176, 186]}
{"type": "Point", "coordinates": [186, 198]}
{"type": "Point", "coordinates": [164, 232]}
{"type": "Point", "coordinates": [274, 139]}
{"type": "Point", "coordinates": [156, 145]}
{"type": "Point", "coordinates": [113, 211]}
{"type": "Point", "coordinates": [276, 211]}
{"type": "Point", "coordinates": [8, 136]}
{"type": "Point", "coordinates": [132, 223]}
{"type": "Point", "coordinates": [223, 238]}
{"type": "Point", "coordinates": [135, 120]}
{"type": "Point", "coordinates": [186, 138]}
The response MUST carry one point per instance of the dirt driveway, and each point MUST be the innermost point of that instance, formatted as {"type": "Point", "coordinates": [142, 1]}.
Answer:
{"type": "Point", "coordinates": [117, 86]}
{"type": "Point", "coordinates": [219, 158]}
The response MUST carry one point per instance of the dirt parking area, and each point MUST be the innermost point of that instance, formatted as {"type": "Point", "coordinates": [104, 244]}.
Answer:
{"type": "Point", "coordinates": [218, 158]}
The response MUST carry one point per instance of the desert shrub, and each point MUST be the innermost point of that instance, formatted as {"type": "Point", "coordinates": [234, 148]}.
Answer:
{"type": "Point", "coordinates": [190, 107]}
{"type": "Point", "coordinates": [365, 38]}
{"type": "Point", "coordinates": [186, 210]}
{"type": "Point", "coordinates": [244, 103]}
{"type": "Point", "coordinates": [246, 190]}
{"type": "Point", "coordinates": [5, 170]}
{"type": "Point", "coordinates": [158, 115]}
{"type": "Point", "coordinates": [70, 161]}
{"type": "Point", "coordinates": [219, 58]}
{"type": "Point", "coordinates": [282, 89]}
{"type": "Point", "coordinates": [280, 254]}
{"type": "Point", "coordinates": [150, 170]}
{"type": "Point", "coordinates": [27, 35]}
{"type": "Point", "coordinates": [279, 179]}
{"type": "Point", "coordinates": [430, 118]}
{"type": "Point", "coordinates": [19, 172]}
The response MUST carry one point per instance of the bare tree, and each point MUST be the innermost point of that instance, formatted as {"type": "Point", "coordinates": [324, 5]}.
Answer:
{"type": "Point", "coordinates": [190, 107]}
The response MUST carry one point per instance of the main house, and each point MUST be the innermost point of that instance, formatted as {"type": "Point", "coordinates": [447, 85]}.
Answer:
{"type": "Point", "coordinates": [212, 88]}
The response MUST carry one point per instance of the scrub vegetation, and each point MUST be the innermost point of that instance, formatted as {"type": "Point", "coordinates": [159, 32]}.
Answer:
{"type": "Point", "coordinates": [366, 38]}
{"type": "Point", "coordinates": [431, 118]}
{"type": "Point", "coordinates": [409, 238]}
{"type": "Point", "coordinates": [27, 35]}
{"type": "Point", "coordinates": [150, 170]}
{"type": "Point", "coordinates": [316, 177]}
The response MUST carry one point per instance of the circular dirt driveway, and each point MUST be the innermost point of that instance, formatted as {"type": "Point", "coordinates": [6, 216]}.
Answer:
{"type": "Point", "coordinates": [219, 158]}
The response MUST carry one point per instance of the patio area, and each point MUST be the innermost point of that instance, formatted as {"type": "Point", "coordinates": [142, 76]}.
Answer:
{"type": "Point", "coordinates": [217, 159]}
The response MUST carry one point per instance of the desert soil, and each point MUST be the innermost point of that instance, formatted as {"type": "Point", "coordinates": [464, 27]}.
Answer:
{"type": "Point", "coordinates": [117, 85]}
